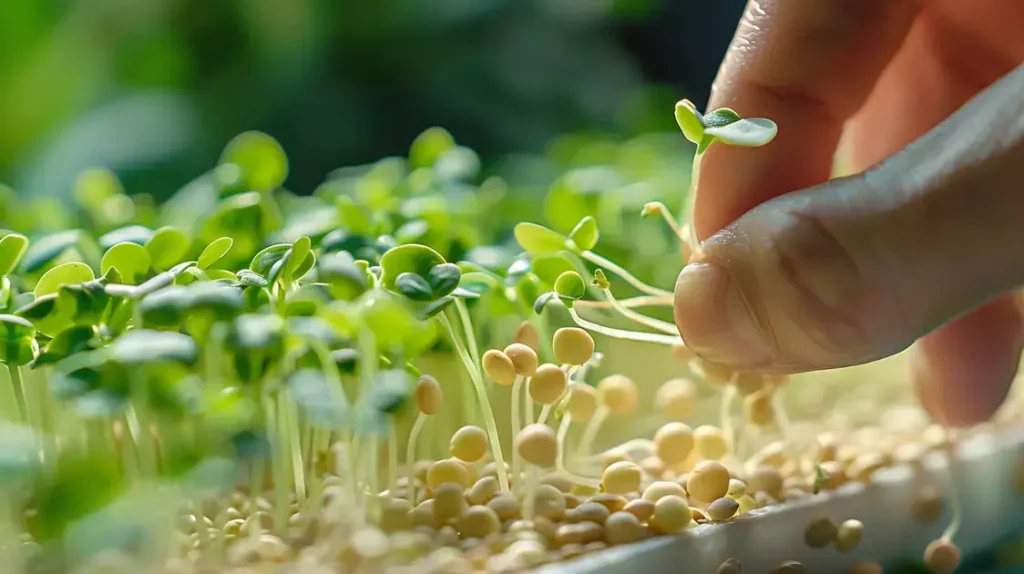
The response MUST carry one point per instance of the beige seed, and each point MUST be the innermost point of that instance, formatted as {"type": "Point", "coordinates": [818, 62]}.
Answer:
{"type": "Point", "coordinates": [468, 444]}
{"type": "Point", "coordinates": [505, 506]}
{"type": "Point", "coordinates": [709, 481]}
{"type": "Point", "coordinates": [621, 478]}
{"type": "Point", "coordinates": [819, 533]}
{"type": "Point", "coordinates": [572, 346]}
{"type": "Point", "coordinates": [613, 456]}
{"type": "Point", "coordinates": [642, 509]}
{"type": "Point", "coordinates": [622, 528]}
{"type": "Point", "coordinates": [549, 502]}
{"type": "Point", "coordinates": [730, 566]}
{"type": "Point", "coordinates": [661, 489]}
{"type": "Point", "coordinates": [483, 490]}
{"type": "Point", "coordinates": [537, 444]}
{"type": "Point", "coordinates": [748, 383]}
{"type": "Point", "coordinates": [591, 512]}
{"type": "Point", "coordinates": [479, 522]}
{"type": "Point", "coordinates": [673, 443]}
{"type": "Point", "coordinates": [558, 481]}
{"type": "Point", "coordinates": [395, 515]}
{"type": "Point", "coordinates": [849, 535]}
{"type": "Point", "coordinates": [790, 567]}
{"type": "Point", "coordinates": [582, 402]}
{"type": "Point", "coordinates": [737, 488]}
{"type": "Point", "coordinates": [613, 502]}
{"type": "Point", "coordinates": [747, 503]}
{"type": "Point", "coordinates": [447, 470]}
{"type": "Point", "coordinates": [526, 334]}
{"type": "Point", "coordinates": [548, 384]}
{"type": "Point", "coordinates": [449, 503]}
{"type": "Point", "coordinates": [675, 398]}
{"type": "Point", "coordinates": [428, 395]}
{"type": "Point", "coordinates": [671, 515]}
{"type": "Point", "coordinates": [653, 467]}
{"type": "Point", "coordinates": [942, 556]}
{"type": "Point", "coordinates": [766, 479]}
{"type": "Point", "coordinates": [524, 359]}
{"type": "Point", "coordinates": [618, 393]}
{"type": "Point", "coordinates": [499, 367]}
{"type": "Point", "coordinates": [723, 509]}
{"type": "Point", "coordinates": [710, 442]}
{"type": "Point", "coordinates": [758, 407]}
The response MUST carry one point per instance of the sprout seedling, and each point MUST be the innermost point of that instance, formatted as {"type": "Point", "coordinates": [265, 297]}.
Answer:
{"type": "Point", "coordinates": [469, 444]}
{"type": "Point", "coordinates": [538, 446]}
{"type": "Point", "coordinates": [616, 394]}
{"type": "Point", "coordinates": [546, 387]}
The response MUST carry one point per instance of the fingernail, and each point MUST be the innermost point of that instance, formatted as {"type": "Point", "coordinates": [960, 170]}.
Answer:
{"type": "Point", "coordinates": [714, 320]}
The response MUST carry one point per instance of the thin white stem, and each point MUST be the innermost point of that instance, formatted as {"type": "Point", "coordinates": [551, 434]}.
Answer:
{"type": "Point", "coordinates": [392, 453]}
{"type": "Point", "coordinates": [563, 430]}
{"type": "Point", "coordinates": [625, 275]}
{"type": "Point", "coordinates": [624, 334]}
{"type": "Point", "coordinates": [631, 302]}
{"type": "Point", "coordinates": [954, 497]}
{"type": "Point", "coordinates": [410, 456]}
{"type": "Point", "coordinates": [528, 420]}
{"type": "Point", "coordinates": [545, 412]}
{"type": "Point", "coordinates": [485, 404]}
{"type": "Point", "coordinates": [590, 431]}
{"type": "Point", "coordinates": [530, 502]}
{"type": "Point", "coordinates": [663, 326]}
{"type": "Point", "coordinates": [663, 211]}
{"type": "Point", "coordinates": [467, 328]}
{"type": "Point", "coordinates": [779, 412]}
{"type": "Point", "coordinates": [517, 391]}
{"type": "Point", "coordinates": [725, 417]}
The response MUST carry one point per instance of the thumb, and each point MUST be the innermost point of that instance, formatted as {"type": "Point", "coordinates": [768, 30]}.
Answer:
{"type": "Point", "coordinates": [858, 268]}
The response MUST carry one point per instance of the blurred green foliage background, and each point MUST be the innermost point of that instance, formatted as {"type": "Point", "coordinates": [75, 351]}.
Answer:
{"type": "Point", "coordinates": [154, 89]}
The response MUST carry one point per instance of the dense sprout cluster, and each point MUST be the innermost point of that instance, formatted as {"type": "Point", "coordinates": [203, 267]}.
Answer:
{"type": "Point", "coordinates": [248, 381]}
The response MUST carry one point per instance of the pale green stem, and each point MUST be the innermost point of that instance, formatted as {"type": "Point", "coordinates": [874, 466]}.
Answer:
{"type": "Point", "coordinates": [294, 437]}
{"type": "Point", "coordinates": [781, 417]}
{"type": "Point", "coordinates": [631, 302]}
{"type": "Point", "coordinates": [691, 199]}
{"type": "Point", "coordinates": [528, 420]}
{"type": "Point", "coordinates": [623, 334]}
{"type": "Point", "coordinates": [954, 499]}
{"type": "Point", "coordinates": [467, 328]}
{"type": "Point", "coordinates": [410, 456]}
{"type": "Point", "coordinates": [374, 463]}
{"type": "Point", "coordinates": [128, 454]}
{"type": "Point", "coordinates": [517, 391]}
{"type": "Point", "coordinates": [18, 387]}
{"type": "Point", "coordinates": [392, 453]}
{"type": "Point", "coordinates": [663, 211]}
{"type": "Point", "coordinates": [279, 453]}
{"type": "Point", "coordinates": [625, 275]}
{"type": "Point", "coordinates": [47, 420]}
{"type": "Point", "coordinates": [563, 430]}
{"type": "Point", "coordinates": [485, 404]}
{"type": "Point", "coordinates": [590, 431]}
{"type": "Point", "coordinates": [663, 326]}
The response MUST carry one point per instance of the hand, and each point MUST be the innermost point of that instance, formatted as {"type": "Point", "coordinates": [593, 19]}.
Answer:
{"type": "Point", "coordinates": [927, 245]}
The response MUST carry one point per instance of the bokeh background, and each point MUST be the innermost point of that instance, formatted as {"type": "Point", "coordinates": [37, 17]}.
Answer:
{"type": "Point", "coordinates": [154, 89]}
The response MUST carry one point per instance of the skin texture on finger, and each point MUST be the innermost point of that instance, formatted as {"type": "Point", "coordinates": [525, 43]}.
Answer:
{"type": "Point", "coordinates": [855, 269]}
{"type": "Point", "coordinates": [962, 371]}
{"type": "Point", "coordinates": [808, 65]}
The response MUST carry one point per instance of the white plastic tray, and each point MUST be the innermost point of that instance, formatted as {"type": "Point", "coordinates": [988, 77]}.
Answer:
{"type": "Point", "coordinates": [984, 474]}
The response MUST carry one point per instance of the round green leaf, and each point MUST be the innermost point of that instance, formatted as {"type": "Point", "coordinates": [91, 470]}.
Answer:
{"type": "Point", "coordinates": [14, 327]}
{"type": "Point", "coordinates": [547, 268]}
{"type": "Point", "coordinates": [265, 260]}
{"type": "Point", "coordinates": [51, 314]}
{"type": "Point", "coordinates": [214, 251]}
{"type": "Point", "coordinates": [263, 162]}
{"type": "Point", "coordinates": [93, 187]}
{"type": "Point", "coordinates": [12, 248]}
{"type": "Point", "coordinates": [167, 247]}
{"type": "Point", "coordinates": [538, 240]}
{"type": "Point", "coordinates": [719, 118]}
{"type": "Point", "coordinates": [585, 234]}
{"type": "Point", "coordinates": [429, 145]}
{"type": "Point", "coordinates": [690, 121]}
{"type": "Point", "coordinates": [43, 251]}
{"type": "Point", "coordinates": [352, 218]}
{"type": "Point", "coordinates": [753, 132]}
{"type": "Point", "coordinates": [64, 274]}
{"type": "Point", "coordinates": [129, 259]}
{"type": "Point", "coordinates": [412, 258]}
{"type": "Point", "coordinates": [414, 287]}
{"type": "Point", "coordinates": [570, 285]}
{"type": "Point", "coordinates": [132, 233]}
{"type": "Point", "coordinates": [444, 278]}
{"type": "Point", "coordinates": [143, 346]}
{"type": "Point", "coordinates": [301, 260]}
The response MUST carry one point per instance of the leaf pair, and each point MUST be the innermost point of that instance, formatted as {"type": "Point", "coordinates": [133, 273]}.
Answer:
{"type": "Point", "coordinates": [722, 125]}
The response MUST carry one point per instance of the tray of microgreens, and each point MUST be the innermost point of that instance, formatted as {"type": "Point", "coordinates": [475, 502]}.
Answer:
{"type": "Point", "coordinates": [425, 367]}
